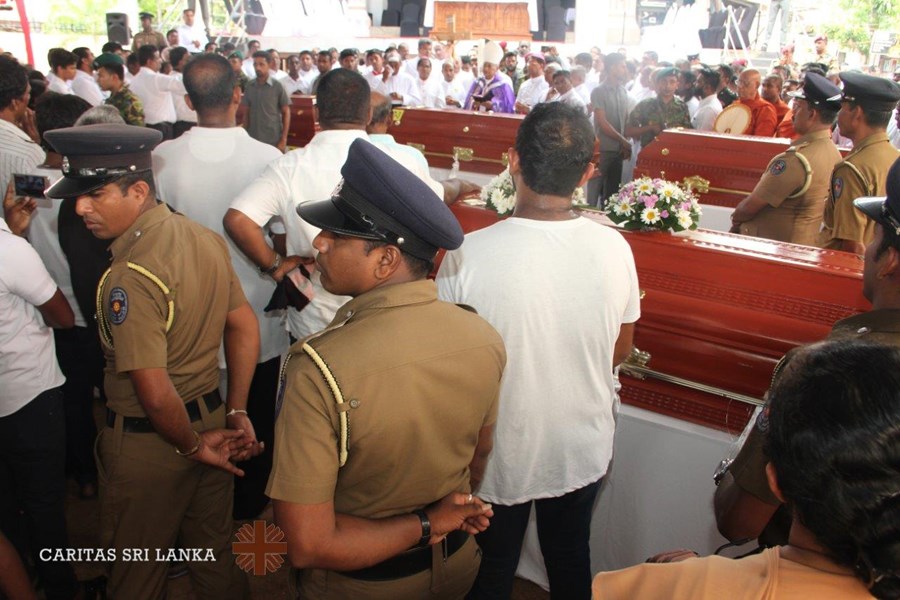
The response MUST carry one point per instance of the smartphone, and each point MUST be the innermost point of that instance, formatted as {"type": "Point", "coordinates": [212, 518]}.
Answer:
{"type": "Point", "coordinates": [32, 186]}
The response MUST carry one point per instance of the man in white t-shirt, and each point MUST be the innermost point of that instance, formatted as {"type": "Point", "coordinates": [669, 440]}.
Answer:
{"type": "Point", "coordinates": [63, 67]}
{"type": "Point", "coordinates": [303, 175]}
{"type": "Point", "coordinates": [32, 423]}
{"type": "Point", "coordinates": [199, 174]}
{"type": "Point", "coordinates": [563, 293]}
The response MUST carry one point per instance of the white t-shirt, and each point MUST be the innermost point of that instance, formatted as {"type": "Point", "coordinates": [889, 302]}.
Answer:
{"type": "Point", "coordinates": [454, 89]}
{"type": "Point", "coordinates": [199, 174]}
{"type": "Point", "coordinates": [558, 293]}
{"type": "Point", "coordinates": [28, 364]}
{"type": "Point", "coordinates": [43, 233]}
{"type": "Point", "coordinates": [309, 174]}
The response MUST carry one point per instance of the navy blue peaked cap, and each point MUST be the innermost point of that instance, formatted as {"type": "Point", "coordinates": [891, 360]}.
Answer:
{"type": "Point", "coordinates": [819, 91]}
{"type": "Point", "coordinates": [380, 199]}
{"type": "Point", "coordinates": [94, 155]}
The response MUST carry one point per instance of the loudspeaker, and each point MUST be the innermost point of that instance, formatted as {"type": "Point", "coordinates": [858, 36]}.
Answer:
{"type": "Point", "coordinates": [117, 28]}
{"type": "Point", "coordinates": [255, 18]}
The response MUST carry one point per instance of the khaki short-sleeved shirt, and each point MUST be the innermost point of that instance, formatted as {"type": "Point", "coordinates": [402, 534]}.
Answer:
{"type": "Point", "coordinates": [795, 186]}
{"type": "Point", "coordinates": [419, 377]}
{"type": "Point", "coordinates": [192, 262]}
{"type": "Point", "coordinates": [862, 173]}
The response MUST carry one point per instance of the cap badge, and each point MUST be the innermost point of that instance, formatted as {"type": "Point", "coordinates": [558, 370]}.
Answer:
{"type": "Point", "coordinates": [65, 165]}
{"type": "Point", "coordinates": [338, 188]}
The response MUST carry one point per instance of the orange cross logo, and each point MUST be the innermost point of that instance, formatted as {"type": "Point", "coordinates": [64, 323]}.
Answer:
{"type": "Point", "coordinates": [259, 548]}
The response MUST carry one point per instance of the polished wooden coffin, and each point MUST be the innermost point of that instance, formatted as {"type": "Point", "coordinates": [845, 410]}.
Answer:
{"type": "Point", "coordinates": [722, 169]}
{"type": "Point", "coordinates": [478, 140]}
{"type": "Point", "coordinates": [303, 121]}
{"type": "Point", "coordinates": [718, 311]}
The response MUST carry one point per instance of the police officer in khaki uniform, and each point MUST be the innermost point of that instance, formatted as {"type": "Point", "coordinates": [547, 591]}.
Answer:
{"type": "Point", "coordinates": [387, 414]}
{"type": "Point", "coordinates": [745, 507]}
{"type": "Point", "coordinates": [787, 203]}
{"type": "Point", "coordinates": [867, 104]}
{"type": "Point", "coordinates": [164, 458]}
{"type": "Point", "coordinates": [148, 35]}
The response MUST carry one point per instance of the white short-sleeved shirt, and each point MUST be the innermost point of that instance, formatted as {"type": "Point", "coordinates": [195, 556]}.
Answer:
{"type": "Point", "coordinates": [309, 174]}
{"type": "Point", "coordinates": [558, 293]}
{"type": "Point", "coordinates": [28, 364]}
{"type": "Point", "coordinates": [199, 174]}
{"type": "Point", "coordinates": [532, 91]}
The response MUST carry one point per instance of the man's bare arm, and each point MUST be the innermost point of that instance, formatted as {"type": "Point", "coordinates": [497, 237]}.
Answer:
{"type": "Point", "coordinates": [250, 238]}
{"type": "Point", "coordinates": [56, 311]}
{"type": "Point", "coordinates": [479, 459]}
{"type": "Point", "coordinates": [317, 537]}
{"type": "Point", "coordinates": [624, 343]}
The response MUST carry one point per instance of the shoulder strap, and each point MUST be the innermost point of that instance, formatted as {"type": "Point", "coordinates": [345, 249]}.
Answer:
{"type": "Point", "coordinates": [869, 188]}
{"type": "Point", "coordinates": [330, 380]}
{"type": "Point", "coordinates": [103, 321]}
{"type": "Point", "coordinates": [807, 180]}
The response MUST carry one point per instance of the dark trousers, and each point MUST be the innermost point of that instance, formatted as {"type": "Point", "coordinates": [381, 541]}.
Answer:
{"type": "Point", "coordinates": [563, 526]}
{"type": "Point", "coordinates": [33, 487]}
{"type": "Point", "coordinates": [181, 127]}
{"type": "Point", "coordinates": [250, 490]}
{"type": "Point", "coordinates": [81, 360]}
{"type": "Point", "coordinates": [600, 188]}
{"type": "Point", "coordinates": [165, 128]}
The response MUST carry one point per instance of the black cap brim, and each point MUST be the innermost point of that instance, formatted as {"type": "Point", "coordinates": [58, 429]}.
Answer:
{"type": "Point", "coordinates": [325, 215]}
{"type": "Point", "coordinates": [71, 187]}
{"type": "Point", "coordinates": [871, 206]}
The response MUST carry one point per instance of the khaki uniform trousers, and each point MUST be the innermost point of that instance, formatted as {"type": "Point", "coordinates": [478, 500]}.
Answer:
{"type": "Point", "coordinates": [152, 498]}
{"type": "Point", "coordinates": [450, 580]}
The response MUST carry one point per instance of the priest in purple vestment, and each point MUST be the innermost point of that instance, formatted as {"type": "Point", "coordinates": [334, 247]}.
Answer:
{"type": "Point", "coordinates": [493, 91]}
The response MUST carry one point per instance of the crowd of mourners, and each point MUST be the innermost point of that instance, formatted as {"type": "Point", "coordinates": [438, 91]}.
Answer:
{"type": "Point", "coordinates": [262, 326]}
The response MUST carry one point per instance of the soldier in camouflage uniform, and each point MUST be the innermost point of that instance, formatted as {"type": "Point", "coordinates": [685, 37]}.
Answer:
{"type": "Point", "coordinates": [666, 110]}
{"type": "Point", "coordinates": [111, 77]}
{"type": "Point", "coordinates": [236, 59]}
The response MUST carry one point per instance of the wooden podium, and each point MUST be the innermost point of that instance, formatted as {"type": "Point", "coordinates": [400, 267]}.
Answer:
{"type": "Point", "coordinates": [492, 20]}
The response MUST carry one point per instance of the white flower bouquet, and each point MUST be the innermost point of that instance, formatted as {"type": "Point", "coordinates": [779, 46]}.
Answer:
{"type": "Point", "coordinates": [500, 194]}
{"type": "Point", "coordinates": [654, 204]}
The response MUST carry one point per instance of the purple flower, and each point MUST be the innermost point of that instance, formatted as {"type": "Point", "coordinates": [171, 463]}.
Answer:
{"type": "Point", "coordinates": [664, 214]}
{"type": "Point", "coordinates": [649, 201]}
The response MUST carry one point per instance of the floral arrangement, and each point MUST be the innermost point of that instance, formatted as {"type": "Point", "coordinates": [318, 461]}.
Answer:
{"type": "Point", "coordinates": [654, 204]}
{"type": "Point", "coordinates": [500, 194]}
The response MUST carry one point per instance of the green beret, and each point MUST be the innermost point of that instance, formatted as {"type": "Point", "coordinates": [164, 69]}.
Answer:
{"type": "Point", "coordinates": [108, 59]}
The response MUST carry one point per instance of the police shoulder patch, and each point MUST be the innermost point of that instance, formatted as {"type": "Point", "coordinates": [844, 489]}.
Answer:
{"type": "Point", "coordinates": [118, 306]}
{"type": "Point", "coordinates": [837, 186]}
{"type": "Point", "coordinates": [777, 167]}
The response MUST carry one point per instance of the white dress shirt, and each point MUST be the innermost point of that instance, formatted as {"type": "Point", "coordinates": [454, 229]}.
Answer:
{"type": "Point", "coordinates": [707, 111]}
{"type": "Point", "coordinates": [84, 86]}
{"type": "Point", "coordinates": [532, 91]}
{"type": "Point", "coordinates": [60, 86]}
{"type": "Point", "coordinates": [155, 91]}
{"type": "Point", "coordinates": [188, 34]}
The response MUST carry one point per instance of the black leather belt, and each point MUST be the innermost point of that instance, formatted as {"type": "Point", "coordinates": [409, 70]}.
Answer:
{"type": "Point", "coordinates": [143, 424]}
{"type": "Point", "coordinates": [408, 563]}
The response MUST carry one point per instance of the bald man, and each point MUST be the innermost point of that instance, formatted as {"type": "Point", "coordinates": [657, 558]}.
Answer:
{"type": "Point", "coordinates": [764, 119]}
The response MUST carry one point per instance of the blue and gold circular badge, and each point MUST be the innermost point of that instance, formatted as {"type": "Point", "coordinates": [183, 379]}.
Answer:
{"type": "Point", "coordinates": [777, 167]}
{"type": "Point", "coordinates": [118, 306]}
{"type": "Point", "coordinates": [837, 187]}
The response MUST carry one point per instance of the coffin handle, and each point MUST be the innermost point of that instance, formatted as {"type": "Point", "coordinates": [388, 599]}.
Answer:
{"type": "Point", "coordinates": [638, 357]}
{"type": "Point", "coordinates": [697, 183]}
